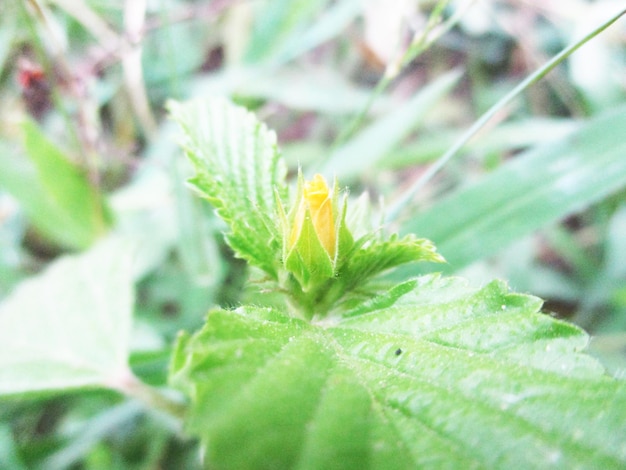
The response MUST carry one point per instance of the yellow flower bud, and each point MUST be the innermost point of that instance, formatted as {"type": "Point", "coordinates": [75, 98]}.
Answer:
{"type": "Point", "coordinates": [317, 199]}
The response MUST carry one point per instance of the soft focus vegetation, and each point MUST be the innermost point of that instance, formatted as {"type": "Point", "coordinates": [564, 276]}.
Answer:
{"type": "Point", "coordinates": [374, 93]}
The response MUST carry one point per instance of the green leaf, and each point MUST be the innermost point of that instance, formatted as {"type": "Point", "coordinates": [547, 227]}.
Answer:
{"type": "Point", "coordinates": [380, 255]}
{"type": "Point", "coordinates": [68, 186]}
{"type": "Point", "coordinates": [329, 21]}
{"type": "Point", "coordinates": [54, 193]}
{"type": "Point", "coordinates": [532, 190]}
{"type": "Point", "coordinates": [85, 435]}
{"type": "Point", "coordinates": [9, 451]}
{"type": "Point", "coordinates": [507, 137]}
{"type": "Point", "coordinates": [238, 169]}
{"type": "Point", "coordinates": [69, 326]}
{"type": "Point", "coordinates": [19, 178]}
{"type": "Point", "coordinates": [319, 90]}
{"type": "Point", "coordinates": [374, 143]}
{"type": "Point", "coordinates": [448, 376]}
{"type": "Point", "coordinates": [359, 306]}
{"type": "Point", "coordinates": [277, 25]}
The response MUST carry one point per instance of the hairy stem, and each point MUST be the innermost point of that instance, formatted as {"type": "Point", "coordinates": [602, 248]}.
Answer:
{"type": "Point", "coordinates": [161, 400]}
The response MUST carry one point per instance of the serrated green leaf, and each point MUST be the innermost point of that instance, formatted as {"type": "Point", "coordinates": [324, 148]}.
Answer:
{"type": "Point", "coordinates": [345, 239]}
{"type": "Point", "coordinates": [69, 326]}
{"type": "Point", "coordinates": [449, 376]}
{"type": "Point", "coordinates": [380, 255]}
{"type": "Point", "coordinates": [238, 169]}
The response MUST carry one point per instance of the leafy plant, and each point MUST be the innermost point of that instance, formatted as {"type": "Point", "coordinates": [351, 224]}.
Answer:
{"type": "Point", "coordinates": [428, 372]}
{"type": "Point", "coordinates": [322, 347]}
{"type": "Point", "coordinates": [351, 371]}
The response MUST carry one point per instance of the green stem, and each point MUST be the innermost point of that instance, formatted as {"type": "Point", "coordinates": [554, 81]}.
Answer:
{"type": "Point", "coordinates": [397, 208]}
{"type": "Point", "coordinates": [154, 398]}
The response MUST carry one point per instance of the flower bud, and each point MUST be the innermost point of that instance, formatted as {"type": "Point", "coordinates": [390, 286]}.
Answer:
{"type": "Point", "coordinates": [316, 198]}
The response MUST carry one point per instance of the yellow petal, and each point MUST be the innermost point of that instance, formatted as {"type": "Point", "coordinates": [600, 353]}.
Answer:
{"type": "Point", "coordinates": [317, 199]}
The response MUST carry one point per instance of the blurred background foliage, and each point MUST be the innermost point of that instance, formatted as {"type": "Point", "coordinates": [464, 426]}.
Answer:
{"type": "Point", "coordinates": [537, 197]}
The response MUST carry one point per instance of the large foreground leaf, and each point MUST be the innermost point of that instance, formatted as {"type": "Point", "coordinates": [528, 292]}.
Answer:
{"type": "Point", "coordinates": [69, 326]}
{"type": "Point", "coordinates": [446, 377]}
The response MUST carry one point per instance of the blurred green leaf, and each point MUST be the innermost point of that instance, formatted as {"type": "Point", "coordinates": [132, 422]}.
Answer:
{"type": "Point", "coordinates": [239, 170]}
{"type": "Point", "coordinates": [507, 137]}
{"type": "Point", "coordinates": [198, 232]}
{"type": "Point", "coordinates": [69, 326]}
{"type": "Point", "coordinates": [615, 253]}
{"type": "Point", "coordinates": [298, 88]}
{"type": "Point", "coordinates": [11, 251]}
{"type": "Point", "coordinates": [373, 143]}
{"type": "Point", "coordinates": [55, 194]}
{"type": "Point", "coordinates": [330, 23]}
{"type": "Point", "coordinates": [278, 24]}
{"type": "Point", "coordinates": [144, 212]}
{"type": "Point", "coordinates": [532, 190]}
{"type": "Point", "coordinates": [67, 185]}
{"type": "Point", "coordinates": [166, 65]}
{"type": "Point", "coordinates": [8, 33]}
{"type": "Point", "coordinates": [9, 455]}
{"type": "Point", "coordinates": [611, 349]}
{"type": "Point", "coordinates": [87, 434]}
{"type": "Point", "coordinates": [448, 377]}
{"type": "Point", "coordinates": [19, 177]}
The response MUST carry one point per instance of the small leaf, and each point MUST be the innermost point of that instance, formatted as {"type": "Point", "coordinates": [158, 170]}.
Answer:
{"type": "Point", "coordinates": [439, 375]}
{"type": "Point", "coordinates": [354, 307]}
{"type": "Point", "coordinates": [238, 169]}
{"type": "Point", "coordinates": [69, 326]}
{"type": "Point", "coordinates": [380, 255]}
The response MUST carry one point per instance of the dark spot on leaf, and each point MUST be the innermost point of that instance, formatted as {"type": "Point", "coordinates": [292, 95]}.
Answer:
{"type": "Point", "coordinates": [398, 351]}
